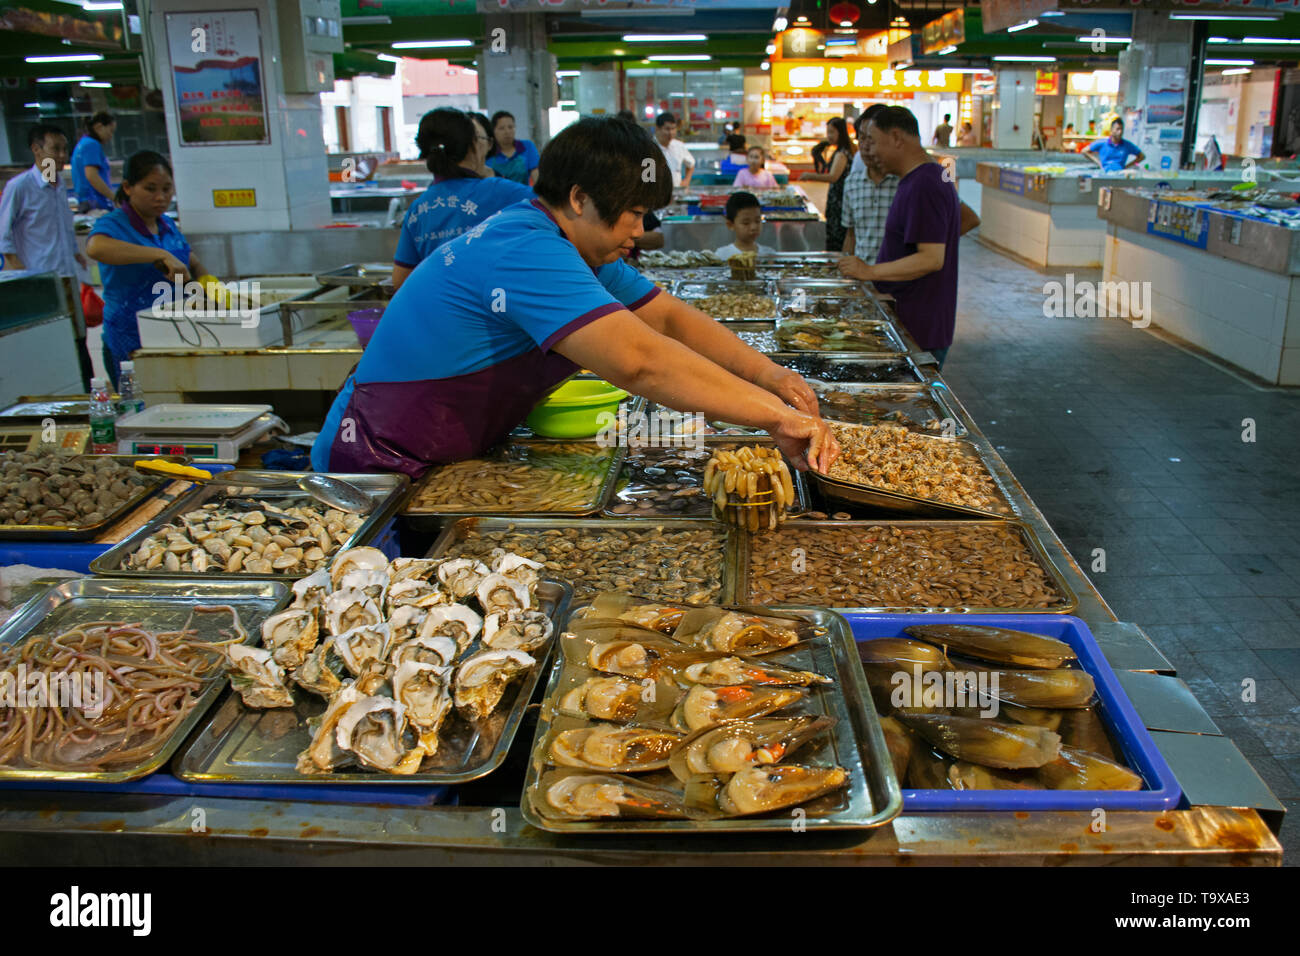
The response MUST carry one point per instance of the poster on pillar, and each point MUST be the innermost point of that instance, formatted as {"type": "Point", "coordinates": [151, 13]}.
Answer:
{"type": "Point", "coordinates": [217, 75]}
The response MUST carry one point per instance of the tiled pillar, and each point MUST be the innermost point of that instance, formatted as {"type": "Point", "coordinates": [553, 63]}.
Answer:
{"type": "Point", "coordinates": [1153, 79]}
{"type": "Point", "coordinates": [517, 73]}
{"type": "Point", "coordinates": [1013, 120]}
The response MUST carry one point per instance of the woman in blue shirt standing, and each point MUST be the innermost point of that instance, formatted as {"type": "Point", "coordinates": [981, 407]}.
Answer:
{"type": "Point", "coordinates": [1113, 154]}
{"type": "Point", "coordinates": [512, 158]}
{"type": "Point", "coordinates": [138, 246]}
{"type": "Point", "coordinates": [451, 145]}
{"type": "Point", "coordinates": [90, 169]}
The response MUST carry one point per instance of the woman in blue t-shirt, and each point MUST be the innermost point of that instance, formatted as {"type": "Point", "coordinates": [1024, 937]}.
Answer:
{"type": "Point", "coordinates": [512, 158]}
{"type": "Point", "coordinates": [138, 246]}
{"type": "Point", "coordinates": [452, 146]}
{"type": "Point", "coordinates": [90, 169]}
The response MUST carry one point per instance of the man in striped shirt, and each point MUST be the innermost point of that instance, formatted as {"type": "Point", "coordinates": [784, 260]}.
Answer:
{"type": "Point", "coordinates": [868, 193]}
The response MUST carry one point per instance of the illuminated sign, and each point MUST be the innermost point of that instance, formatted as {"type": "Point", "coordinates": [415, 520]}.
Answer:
{"type": "Point", "coordinates": [948, 30]}
{"type": "Point", "coordinates": [859, 76]}
{"type": "Point", "coordinates": [1047, 84]}
{"type": "Point", "coordinates": [1098, 82]}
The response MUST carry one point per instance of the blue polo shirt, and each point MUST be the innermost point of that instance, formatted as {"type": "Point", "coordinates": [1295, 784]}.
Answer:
{"type": "Point", "coordinates": [90, 152]}
{"type": "Point", "coordinates": [128, 289]}
{"type": "Point", "coordinates": [517, 167]}
{"type": "Point", "coordinates": [1113, 157]}
{"type": "Point", "coordinates": [463, 351]}
{"type": "Point", "coordinates": [449, 207]}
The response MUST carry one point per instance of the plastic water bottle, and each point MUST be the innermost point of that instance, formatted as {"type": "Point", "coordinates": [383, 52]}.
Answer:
{"type": "Point", "coordinates": [103, 419]}
{"type": "Point", "coordinates": [129, 399]}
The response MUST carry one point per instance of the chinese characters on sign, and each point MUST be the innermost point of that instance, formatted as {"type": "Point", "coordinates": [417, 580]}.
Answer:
{"type": "Point", "coordinates": [792, 76]}
{"type": "Point", "coordinates": [217, 71]}
{"type": "Point", "coordinates": [228, 198]}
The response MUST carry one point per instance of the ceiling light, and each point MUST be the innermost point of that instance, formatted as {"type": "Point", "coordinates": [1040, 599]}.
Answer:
{"type": "Point", "coordinates": [32, 106]}
{"type": "Point", "coordinates": [679, 57]}
{"type": "Point", "coordinates": [1236, 72]}
{"type": "Point", "coordinates": [1022, 26]}
{"type": "Point", "coordinates": [1225, 16]}
{"type": "Point", "coordinates": [568, 72]}
{"type": "Point", "coordinates": [946, 50]}
{"type": "Point", "coordinates": [1103, 39]}
{"type": "Point", "coordinates": [388, 58]}
{"type": "Point", "coordinates": [92, 7]}
{"type": "Point", "coordinates": [1026, 59]}
{"type": "Point", "coordinates": [779, 24]}
{"type": "Point", "coordinates": [1220, 40]}
{"type": "Point", "coordinates": [109, 86]}
{"type": "Point", "coordinates": [366, 21]}
{"type": "Point", "coordinates": [765, 65]}
{"type": "Point", "coordinates": [1269, 41]}
{"type": "Point", "coordinates": [964, 69]}
{"type": "Point", "coordinates": [1229, 62]}
{"type": "Point", "coordinates": [770, 49]}
{"type": "Point", "coordinates": [63, 79]}
{"type": "Point", "coordinates": [469, 71]}
{"type": "Point", "coordinates": [65, 58]}
{"type": "Point", "coordinates": [800, 19]}
{"type": "Point", "coordinates": [663, 37]}
{"type": "Point", "coordinates": [422, 44]}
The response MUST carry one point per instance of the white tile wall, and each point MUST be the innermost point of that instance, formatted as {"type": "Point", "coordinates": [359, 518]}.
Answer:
{"type": "Point", "coordinates": [1049, 236]}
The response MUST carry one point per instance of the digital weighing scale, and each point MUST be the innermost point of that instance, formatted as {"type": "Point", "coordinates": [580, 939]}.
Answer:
{"type": "Point", "coordinates": [46, 423]}
{"type": "Point", "coordinates": [212, 433]}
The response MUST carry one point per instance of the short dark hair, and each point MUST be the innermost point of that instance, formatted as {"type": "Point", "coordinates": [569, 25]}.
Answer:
{"type": "Point", "coordinates": [866, 116]}
{"type": "Point", "coordinates": [946, 117]}
{"type": "Point", "coordinates": [445, 138]}
{"type": "Point", "coordinates": [1117, 120]}
{"type": "Point", "coordinates": [739, 202]}
{"type": "Point", "coordinates": [137, 167]}
{"type": "Point", "coordinates": [36, 135]}
{"type": "Point", "coordinates": [897, 117]}
{"type": "Point", "coordinates": [663, 119]}
{"type": "Point", "coordinates": [626, 115]}
{"type": "Point", "coordinates": [102, 118]}
{"type": "Point", "coordinates": [482, 122]}
{"type": "Point", "coordinates": [736, 143]}
{"type": "Point", "coordinates": [607, 158]}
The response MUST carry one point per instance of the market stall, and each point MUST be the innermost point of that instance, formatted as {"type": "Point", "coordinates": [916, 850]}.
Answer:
{"type": "Point", "coordinates": [582, 575]}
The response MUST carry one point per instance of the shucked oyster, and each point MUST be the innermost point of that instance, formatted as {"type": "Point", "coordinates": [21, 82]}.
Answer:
{"type": "Point", "coordinates": [497, 593]}
{"type": "Point", "coordinates": [405, 622]}
{"type": "Point", "coordinates": [372, 729]}
{"type": "Point", "coordinates": [290, 636]}
{"type": "Point", "coordinates": [257, 678]}
{"type": "Point", "coordinates": [455, 621]}
{"type": "Point", "coordinates": [516, 567]}
{"type": "Point", "coordinates": [438, 651]}
{"type": "Point", "coordinates": [357, 559]}
{"type": "Point", "coordinates": [324, 753]}
{"type": "Point", "coordinates": [417, 569]}
{"type": "Point", "coordinates": [613, 748]}
{"type": "Point", "coordinates": [461, 576]}
{"type": "Point", "coordinates": [517, 630]}
{"type": "Point", "coordinates": [345, 610]}
{"type": "Point", "coordinates": [482, 679]}
{"type": "Point", "coordinates": [426, 692]}
{"type": "Point", "coordinates": [315, 673]}
{"type": "Point", "coordinates": [414, 592]}
{"type": "Point", "coordinates": [310, 592]}
{"type": "Point", "coordinates": [362, 646]}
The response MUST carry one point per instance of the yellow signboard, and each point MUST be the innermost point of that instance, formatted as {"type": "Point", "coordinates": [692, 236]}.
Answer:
{"type": "Point", "coordinates": [858, 76]}
{"type": "Point", "coordinates": [227, 198]}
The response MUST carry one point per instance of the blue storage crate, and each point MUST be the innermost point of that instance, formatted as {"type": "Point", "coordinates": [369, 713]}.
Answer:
{"type": "Point", "coordinates": [387, 540]}
{"type": "Point", "coordinates": [1139, 751]}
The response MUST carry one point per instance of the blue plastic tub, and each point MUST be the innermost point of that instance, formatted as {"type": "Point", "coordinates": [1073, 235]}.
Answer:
{"type": "Point", "coordinates": [1117, 714]}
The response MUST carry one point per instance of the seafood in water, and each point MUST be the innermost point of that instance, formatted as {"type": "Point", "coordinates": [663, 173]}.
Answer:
{"type": "Point", "coordinates": [900, 745]}
{"type": "Point", "coordinates": [737, 670]}
{"type": "Point", "coordinates": [1080, 770]}
{"type": "Point", "coordinates": [986, 742]}
{"type": "Point", "coordinates": [996, 644]}
{"type": "Point", "coordinates": [899, 650]}
{"type": "Point", "coordinates": [456, 621]}
{"type": "Point", "coordinates": [517, 630]}
{"type": "Point", "coordinates": [462, 576]}
{"type": "Point", "coordinates": [1039, 717]}
{"type": "Point", "coordinates": [704, 706]}
{"type": "Point", "coordinates": [926, 770]}
{"type": "Point", "coordinates": [970, 776]}
{"type": "Point", "coordinates": [1046, 688]}
{"type": "Point", "coordinates": [1083, 730]}
{"type": "Point", "coordinates": [604, 796]}
{"type": "Point", "coordinates": [345, 610]}
{"type": "Point", "coordinates": [290, 636]}
{"type": "Point", "coordinates": [737, 745]}
{"type": "Point", "coordinates": [497, 594]}
{"type": "Point", "coordinates": [426, 692]}
{"type": "Point", "coordinates": [735, 633]}
{"type": "Point", "coordinates": [372, 729]}
{"type": "Point", "coordinates": [613, 748]}
{"type": "Point", "coordinates": [438, 651]}
{"type": "Point", "coordinates": [606, 698]}
{"type": "Point", "coordinates": [482, 679]}
{"type": "Point", "coordinates": [760, 789]}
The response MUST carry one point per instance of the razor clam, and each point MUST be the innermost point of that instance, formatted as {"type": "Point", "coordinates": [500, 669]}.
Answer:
{"type": "Point", "coordinates": [426, 692]}
{"type": "Point", "coordinates": [290, 636]}
{"type": "Point", "coordinates": [996, 644]}
{"type": "Point", "coordinates": [899, 650]}
{"type": "Point", "coordinates": [735, 633]}
{"type": "Point", "coordinates": [738, 744]}
{"type": "Point", "coordinates": [613, 748]}
{"type": "Point", "coordinates": [971, 776]}
{"type": "Point", "coordinates": [606, 698]}
{"type": "Point", "coordinates": [727, 671]}
{"type": "Point", "coordinates": [1083, 730]}
{"type": "Point", "coordinates": [372, 729]}
{"type": "Point", "coordinates": [362, 646]}
{"type": "Point", "coordinates": [987, 742]}
{"type": "Point", "coordinates": [497, 593]}
{"type": "Point", "coordinates": [1037, 716]}
{"type": "Point", "coordinates": [257, 678]}
{"type": "Point", "coordinates": [345, 610]}
{"type": "Point", "coordinates": [357, 559]}
{"type": "Point", "coordinates": [439, 651]}
{"type": "Point", "coordinates": [589, 796]}
{"type": "Point", "coordinates": [324, 754]}
{"type": "Point", "coordinates": [1059, 687]}
{"type": "Point", "coordinates": [900, 745]}
{"type": "Point", "coordinates": [642, 658]}
{"type": "Point", "coordinates": [455, 621]}
{"type": "Point", "coordinates": [1080, 770]}
{"type": "Point", "coordinates": [482, 679]}
{"type": "Point", "coordinates": [517, 630]}
{"type": "Point", "coordinates": [663, 618]}
{"type": "Point", "coordinates": [705, 706]}
{"type": "Point", "coordinates": [316, 675]}
{"type": "Point", "coordinates": [461, 576]}
{"type": "Point", "coordinates": [761, 789]}
{"type": "Point", "coordinates": [927, 770]}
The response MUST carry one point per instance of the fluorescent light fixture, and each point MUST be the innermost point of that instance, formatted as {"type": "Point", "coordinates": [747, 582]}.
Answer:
{"type": "Point", "coordinates": [679, 57]}
{"type": "Point", "coordinates": [1022, 26]}
{"type": "Point", "coordinates": [663, 37]}
{"type": "Point", "coordinates": [568, 72]}
{"type": "Point", "coordinates": [469, 71]}
{"type": "Point", "coordinates": [568, 103]}
{"type": "Point", "coordinates": [109, 86]}
{"type": "Point", "coordinates": [65, 58]}
{"type": "Point", "coordinates": [1225, 16]}
{"type": "Point", "coordinates": [1270, 41]}
{"type": "Point", "coordinates": [63, 79]}
{"type": "Point", "coordinates": [93, 7]}
{"type": "Point", "coordinates": [32, 106]}
{"type": "Point", "coordinates": [387, 57]}
{"type": "Point", "coordinates": [1236, 71]}
{"type": "Point", "coordinates": [946, 50]}
{"type": "Point", "coordinates": [770, 49]}
{"type": "Point", "coordinates": [1220, 40]}
{"type": "Point", "coordinates": [1051, 13]}
{"type": "Point", "coordinates": [1229, 62]}
{"type": "Point", "coordinates": [964, 69]}
{"type": "Point", "coordinates": [779, 24]}
{"type": "Point", "coordinates": [422, 44]}
{"type": "Point", "coordinates": [1103, 39]}
{"type": "Point", "coordinates": [1025, 59]}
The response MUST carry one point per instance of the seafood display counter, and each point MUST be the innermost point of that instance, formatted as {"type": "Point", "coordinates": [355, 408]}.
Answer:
{"type": "Point", "coordinates": [1228, 262]}
{"type": "Point", "coordinates": [535, 763]}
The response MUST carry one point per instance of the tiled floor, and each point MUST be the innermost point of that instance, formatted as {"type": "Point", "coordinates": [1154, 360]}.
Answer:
{"type": "Point", "coordinates": [1133, 446]}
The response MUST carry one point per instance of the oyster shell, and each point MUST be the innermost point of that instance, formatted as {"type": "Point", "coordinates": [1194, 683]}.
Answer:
{"type": "Point", "coordinates": [606, 698]}
{"type": "Point", "coordinates": [517, 630]}
{"type": "Point", "coordinates": [405, 622]}
{"type": "Point", "coordinates": [324, 753]}
{"type": "Point", "coordinates": [461, 576]}
{"type": "Point", "coordinates": [438, 651]}
{"type": "Point", "coordinates": [613, 748]}
{"type": "Point", "coordinates": [257, 678]}
{"type": "Point", "coordinates": [362, 646]}
{"type": "Point", "coordinates": [412, 569]}
{"type": "Point", "coordinates": [456, 621]}
{"type": "Point", "coordinates": [316, 675]}
{"type": "Point", "coordinates": [761, 789]}
{"type": "Point", "coordinates": [705, 706]}
{"type": "Point", "coordinates": [365, 559]}
{"type": "Point", "coordinates": [482, 679]}
{"type": "Point", "coordinates": [517, 568]}
{"type": "Point", "coordinates": [345, 610]}
{"type": "Point", "coordinates": [497, 593]}
{"type": "Point", "coordinates": [426, 692]}
{"type": "Point", "coordinates": [415, 592]}
{"type": "Point", "coordinates": [372, 729]}
{"type": "Point", "coordinates": [309, 592]}
{"type": "Point", "coordinates": [290, 636]}
{"type": "Point", "coordinates": [738, 745]}
{"type": "Point", "coordinates": [373, 583]}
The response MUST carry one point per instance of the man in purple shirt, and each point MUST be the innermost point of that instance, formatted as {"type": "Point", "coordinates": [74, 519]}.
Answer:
{"type": "Point", "coordinates": [917, 263]}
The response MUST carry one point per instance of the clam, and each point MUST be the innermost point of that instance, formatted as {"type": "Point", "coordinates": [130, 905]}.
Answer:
{"type": "Point", "coordinates": [455, 621]}
{"type": "Point", "coordinates": [482, 679]}
{"type": "Point", "coordinates": [497, 593]}
{"type": "Point", "coordinates": [290, 636]}
{"type": "Point", "coordinates": [971, 776]}
{"type": "Point", "coordinates": [613, 748]}
{"type": "Point", "coordinates": [704, 706]}
{"type": "Point", "coordinates": [517, 630]}
{"type": "Point", "coordinates": [762, 789]}
{"type": "Point", "coordinates": [257, 678]}
{"type": "Point", "coordinates": [438, 651]}
{"type": "Point", "coordinates": [363, 559]}
{"type": "Point", "coordinates": [607, 698]}
{"type": "Point", "coordinates": [738, 745]}
{"type": "Point", "coordinates": [461, 576]}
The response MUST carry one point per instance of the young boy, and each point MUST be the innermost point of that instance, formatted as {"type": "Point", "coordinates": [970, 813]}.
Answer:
{"type": "Point", "coordinates": [755, 176]}
{"type": "Point", "coordinates": [745, 220]}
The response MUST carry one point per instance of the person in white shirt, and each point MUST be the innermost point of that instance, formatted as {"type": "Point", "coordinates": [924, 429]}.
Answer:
{"type": "Point", "coordinates": [745, 220]}
{"type": "Point", "coordinates": [680, 161]}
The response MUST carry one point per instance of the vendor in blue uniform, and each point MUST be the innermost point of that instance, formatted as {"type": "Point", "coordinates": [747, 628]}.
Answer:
{"type": "Point", "coordinates": [496, 318]}
{"type": "Point", "coordinates": [138, 246]}
{"type": "Point", "coordinates": [90, 169]}
{"type": "Point", "coordinates": [452, 146]}
{"type": "Point", "coordinates": [511, 158]}
{"type": "Point", "coordinates": [1114, 153]}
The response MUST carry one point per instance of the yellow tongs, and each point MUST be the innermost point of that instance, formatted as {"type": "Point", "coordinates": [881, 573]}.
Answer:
{"type": "Point", "coordinates": [328, 490]}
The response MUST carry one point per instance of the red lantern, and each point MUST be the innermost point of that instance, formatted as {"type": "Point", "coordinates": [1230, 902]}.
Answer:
{"type": "Point", "coordinates": [843, 13]}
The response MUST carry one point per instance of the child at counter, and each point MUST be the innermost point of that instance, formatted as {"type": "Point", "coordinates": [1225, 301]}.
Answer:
{"type": "Point", "coordinates": [754, 176]}
{"type": "Point", "coordinates": [745, 220]}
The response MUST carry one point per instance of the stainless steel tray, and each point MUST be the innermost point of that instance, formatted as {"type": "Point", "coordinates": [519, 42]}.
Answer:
{"type": "Point", "coordinates": [857, 494]}
{"type": "Point", "coordinates": [159, 604]}
{"type": "Point", "coordinates": [1069, 600]}
{"type": "Point", "coordinates": [699, 289]}
{"type": "Point", "coordinates": [183, 418]}
{"type": "Point", "coordinates": [627, 491]}
{"type": "Point", "coordinates": [856, 742]}
{"type": "Point", "coordinates": [855, 306]}
{"type": "Point", "coordinates": [358, 275]}
{"type": "Point", "coordinates": [242, 745]}
{"type": "Point", "coordinates": [39, 532]}
{"type": "Point", "coordinates": [454, 533]}
{"type": "Point", "coordinates": [430, 519]}
{"type": "Point", "coordinates": [758, 334]}
{"type": "Point", "coordinates": [910, 400]}
{"type": "Point", "coordinates": [887, 340]}
{"type": "Point", "coordinates": [33, 409]}
{"type": "Point", "coordinates": [386, 490]}
{"type": "Point", "coordinates": [815, 287]}
{"type": "Point", "coordinates": [840, 367]}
